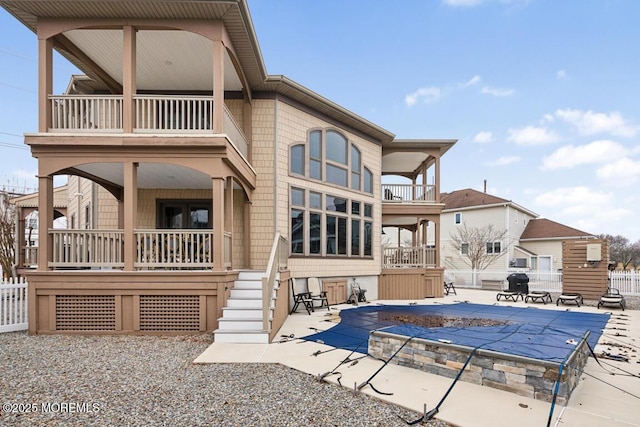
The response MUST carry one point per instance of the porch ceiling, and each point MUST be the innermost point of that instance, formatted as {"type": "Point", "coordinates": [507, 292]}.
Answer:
{"type": "Point", "coordinates": [150, 175]}
{"type": "Point", "coordinates": [402, 163]}
{"type": "Point", "coordinates": [405, 156]}
{"type": "Point", "coordinates": [166, 60]}
{"type": "Point", "coordinates": [155, 47]}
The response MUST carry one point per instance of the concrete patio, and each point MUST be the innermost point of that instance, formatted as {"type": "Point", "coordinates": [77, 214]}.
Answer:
{"type": "Point", "coordinates": [601, 398]}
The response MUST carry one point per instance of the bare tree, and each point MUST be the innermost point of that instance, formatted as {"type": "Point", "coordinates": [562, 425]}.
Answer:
{"type": "Point", "coordinates": [7, 232]}
{"type": "Point", "coordinates": [478, 246]}
{"type": "Point", "coordinates": [622, 251]}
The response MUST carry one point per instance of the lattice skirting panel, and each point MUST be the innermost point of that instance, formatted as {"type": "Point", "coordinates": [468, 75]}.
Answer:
{"type": "Point", "coordinates": [175, 313]}
{"type": "Point", "coordinates": [85, 313]}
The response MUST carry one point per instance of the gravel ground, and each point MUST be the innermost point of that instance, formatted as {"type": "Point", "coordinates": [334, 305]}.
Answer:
{"type": "Point", "coordinates": [150, 380]}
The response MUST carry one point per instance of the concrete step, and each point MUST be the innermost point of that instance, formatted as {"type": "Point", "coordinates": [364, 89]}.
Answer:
{"type": "Point", "coordinates": [247, 284]}
{"type": "Point", "coordinates": [241, 313]}
{"type": "Point", "coordinates": [246, 293]}
{"type": "Point", "coordinates": [244, 303]}
{"type": "Point", "coordinates": [241, 337]}
{"type": "Point", "coordinates": [250, 324]}
{"type": "Point", "coordinates": [251, 275]}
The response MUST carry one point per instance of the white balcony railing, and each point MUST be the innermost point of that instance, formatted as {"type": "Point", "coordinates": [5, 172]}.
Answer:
{"type": "Point", "coordinates": [86, 113]}
{"type": "Point", "coordinates": [173, 113]}
{"type": "Point", "coordinates": [408, 257]}
{"type": "Point", "coordinates": [153, 113]}
{"type": "Point", "coordinates": [408, 193]}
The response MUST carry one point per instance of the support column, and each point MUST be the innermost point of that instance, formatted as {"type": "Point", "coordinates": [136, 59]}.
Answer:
{"type": "Point", "coordinates": [218, 223]}
{"type": "Point", "coordinates": [128, 78]}
{"type": "Point", "coordinates": [436, 230]}
{"type": "Point", "coordinates": [217, 121]}
{"type": "Point", "coordinates": [228, 214]}
{"type": "Point", "coordinates": [247, 234]}
{"type": "Point", "coordinates": [45, 221]}
{"type": "Point", "coordinates": [437, 178]}
{"type": "Point", "coordinates": [20, 239]}
{"type": "Point", "coordinates": [45, 83]}
{"type": "Point", "coordinates": [130, 213]}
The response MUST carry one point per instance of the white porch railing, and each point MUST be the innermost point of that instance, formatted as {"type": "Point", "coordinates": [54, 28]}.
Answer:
{"type": "Point", "coordinates": [13, 305]}
{"type": "Point", "coordinates": [86, 112]}
{"type": "Point", "coordinates": [87, 248]}
{"type": "Point", "coordinates": [173, 113]}
{"type": "Point", "coordinates": [174, 249]}
{"type": "Point", "coordinates": [408, 257]}
{"type": "Point", "coordinates": [408, 193]}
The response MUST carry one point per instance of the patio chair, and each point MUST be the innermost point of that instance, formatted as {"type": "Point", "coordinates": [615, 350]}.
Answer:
{"type": "Point", "coordinates": [316, 293]}
{"type": "Point", "coordinates": [303, 298]}
{"type": "Point", "coordinates": [612, 297]}
{"type": "Point", "coordinates": [448, 288]}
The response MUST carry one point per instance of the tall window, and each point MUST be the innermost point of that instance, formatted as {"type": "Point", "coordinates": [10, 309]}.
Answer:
{"type": "Point", "coordinates": [458, 217]}
{"type": "Point", "coordinates": [331, 158]}
{"type": "Point", "coordinates": [327, 225]}
{"type": "Point", "coordinates": [184, 214]}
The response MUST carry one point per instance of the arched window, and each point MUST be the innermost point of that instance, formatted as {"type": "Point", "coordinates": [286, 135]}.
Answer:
{"type": "Point", "coordinates": [331, 158]}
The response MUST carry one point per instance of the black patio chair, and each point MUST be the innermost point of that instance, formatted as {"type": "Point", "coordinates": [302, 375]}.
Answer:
{"type": "Point", "coordinates": [303, 298]}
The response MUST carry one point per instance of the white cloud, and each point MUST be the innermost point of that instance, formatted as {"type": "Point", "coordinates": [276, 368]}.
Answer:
{"type": "Point", "coordinates": [573, 197]}
{"type": "Point", "coordinates": [621, 173]}
{"type": "Point", "coordinates": [561, 75]}
{"type": "Point", "coordinates": [505, 160]}
{"type": "Point", "coordinates": [547, 118]}
{"type": "Point", "coordinates": [483, 137]}
{"type": "Point", "coordinates": [474, 80]}
{"type": "Point", "coordinates": [532, 135]}
{"type": "Point", "coordinates": [426, 94]}
{"type": "Point", "coordinates": [589, 122]}
{"type": "Point", "coordinates": [486, 90]}
{"type": "Point", "coordinates": [595, 152]}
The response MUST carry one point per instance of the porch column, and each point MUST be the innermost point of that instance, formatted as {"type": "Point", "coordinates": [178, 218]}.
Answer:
{"type": "Point", "coordinates": [247, 234]}
{"type": "Point", "coordinates": [20, 239]}
{"type": "Point", "coordinates": [228, 214]}
{"type": "Point", "coordinates": [436, 230]}
{"type": "Point", "coordinates": [45, 83]}
{"type": "Point", "coordinates": [217, 121]}
{"type": "Point", "coordinates": [130, 213]}
{"type": "Point", "coordinates": [45, 221]}
{"type": "Point", "coordinates": [218, 223]}
{"type": "Point", "coordinates": [437, 178]}
{"type": "Point", "coordinates": [128, 78]}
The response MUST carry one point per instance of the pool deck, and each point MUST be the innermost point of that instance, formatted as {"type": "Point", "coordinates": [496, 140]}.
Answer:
{"type": "Point", "coordinates": [600, 399]}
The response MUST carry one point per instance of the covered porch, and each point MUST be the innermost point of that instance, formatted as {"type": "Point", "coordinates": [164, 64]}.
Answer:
{"type": "Point", "coordinates": [411, 219]}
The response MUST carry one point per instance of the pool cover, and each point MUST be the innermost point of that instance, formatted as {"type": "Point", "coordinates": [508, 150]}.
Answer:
{"type": "Point", "coordinates": [530, 332]}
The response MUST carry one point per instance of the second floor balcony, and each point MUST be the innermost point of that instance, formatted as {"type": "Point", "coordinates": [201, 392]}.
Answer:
{"type": "Point", "coordinates": [153, 114]}
{"type": "Point", "coordinates": [408, 193]}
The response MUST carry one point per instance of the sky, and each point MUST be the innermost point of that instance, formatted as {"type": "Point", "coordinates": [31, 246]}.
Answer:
{"type": "Point", "coordinates": [542, 95]}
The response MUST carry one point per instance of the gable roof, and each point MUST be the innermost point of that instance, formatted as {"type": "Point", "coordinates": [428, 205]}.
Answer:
{"type": "Point", "coordinates": [470, 199]}
{"type": "Point", "coordinates": [542, 228]}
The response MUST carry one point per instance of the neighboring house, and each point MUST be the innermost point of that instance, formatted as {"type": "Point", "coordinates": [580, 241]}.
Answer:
{"type": "Point", "coordinates": [529, 242]}
{"type": "Point", "coordinates": [198, 182]}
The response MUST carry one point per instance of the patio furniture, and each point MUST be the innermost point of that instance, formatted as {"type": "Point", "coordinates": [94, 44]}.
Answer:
{"type": "Point", "coordinates": [357, 294]}
{"type": "Point", "coordinates": [448, 288]}
{"type": "Point", "coordinates": [510, 295]}
{"type": "Point", "coordinates": [316, 293]}
{"type": "Point", "coordinates": [538, 296]}
{"type": "Point", "coordinates": [303, 298]}
{"type": "Point", "coordinates": [570, 297]}
{"type": "Point", "coordinates": [612, 297]}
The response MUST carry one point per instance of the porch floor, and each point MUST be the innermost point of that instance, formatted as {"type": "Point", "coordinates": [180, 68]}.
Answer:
{"type": "Point", "coordinates": [592, 403]}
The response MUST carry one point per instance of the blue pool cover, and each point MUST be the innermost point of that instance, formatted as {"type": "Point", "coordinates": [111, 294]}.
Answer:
{"type": "Point", "coordinates": [529, 332]}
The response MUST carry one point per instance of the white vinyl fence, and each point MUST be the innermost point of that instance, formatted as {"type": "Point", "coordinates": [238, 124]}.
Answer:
{"type": "Point", "coordinates": [627, 282]}
{"type": "Point", "coordinates": [13, 305]}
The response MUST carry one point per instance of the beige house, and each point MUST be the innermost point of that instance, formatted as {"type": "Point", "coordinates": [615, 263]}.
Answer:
{"type": "Point", "coordinates": [529, 242]}
{"type": "Point", "coordinates": [198, 183]}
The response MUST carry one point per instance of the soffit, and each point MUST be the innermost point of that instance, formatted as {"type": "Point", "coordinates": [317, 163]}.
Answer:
{"type": "Point", "coordinates": [234, 14]}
